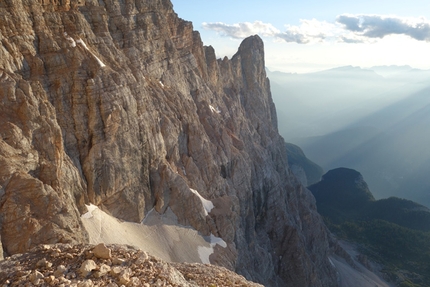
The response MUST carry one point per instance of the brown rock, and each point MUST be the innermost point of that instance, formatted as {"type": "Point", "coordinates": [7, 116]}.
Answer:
{"type": "Point", "coordinates": [134, 281]}
{"type": "Point", "coordinates": [86, 283]}
{"type": "Point", "coordinates": [116, 271]}
{"type": "Point", "coordinates": [36, 277]}
{"type": "Point", "coordinates": [117, 261]}
{"type": "Point", "coordinates": [162, 273]}
{"type": "Point", "coordinates": [103, 270]}
{"type": "Point", "coordinates": [35, 173]}
{"type": "Point", "coordinates": [117, 112]}
{"type": "Point", "coordinates": [86, 267]}
{"type": "Point", "coordinates": [60, 271]}
{"type": "Point", "coordinates": [101, 251]}
{"type": "Point", "coordinates": [50, 279]}
{"type": "Point", "coordinates": [124, 276]}
{"type": "Point", "coordinates": [43, 263]}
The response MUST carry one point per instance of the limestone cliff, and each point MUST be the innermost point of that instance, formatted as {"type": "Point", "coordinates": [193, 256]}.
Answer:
{"type": "Point", "coordinates": [119, 104]}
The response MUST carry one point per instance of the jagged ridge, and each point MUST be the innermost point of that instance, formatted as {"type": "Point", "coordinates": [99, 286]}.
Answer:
{"type": "Point", "coordinates": [119, 104]}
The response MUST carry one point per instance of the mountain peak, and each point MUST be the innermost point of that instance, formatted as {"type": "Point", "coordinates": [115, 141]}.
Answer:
{"type": "Point", "coordinates": [251, 55]}
{"type": "Point", "coordinates": [254, 43]}
{"type": "Point", "coordinates": [343, 187]}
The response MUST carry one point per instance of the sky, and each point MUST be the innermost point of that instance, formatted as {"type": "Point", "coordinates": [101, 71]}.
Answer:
{"type": "Point", "coordinates": [303, 36]}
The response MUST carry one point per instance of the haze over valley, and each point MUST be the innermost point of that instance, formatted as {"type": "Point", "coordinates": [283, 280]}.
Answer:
{"type": "Point", "coordinates": [374, 120]}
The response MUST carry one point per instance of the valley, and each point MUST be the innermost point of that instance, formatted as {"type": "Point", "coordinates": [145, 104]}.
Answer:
{"type": "Point", "coordinates": [373, 120]}
{"type": "Point", "coordinates": [393, 232]}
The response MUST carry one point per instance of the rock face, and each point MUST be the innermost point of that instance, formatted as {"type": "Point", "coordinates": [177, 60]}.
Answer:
{"type": "Point", "coordinates": [118, 103]}
{"type": "Point", "coordinates": [304, 169]}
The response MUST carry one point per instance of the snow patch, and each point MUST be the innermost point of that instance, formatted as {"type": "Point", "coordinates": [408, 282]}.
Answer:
{"type": "Point", "coordinates": [79, 41]}
{"type": "Point", "coordinates": [207, 204]}
{"type": "Point", "coordinates": [205, 252]}
{"type": "Point", "coordinates": [69, 39]}
{"type": "Point", "coordinates": [99, 61]}
{"type": "Point", "coordinates": [160, 234]}
{"type": "Point", "coordinates": [161, 84]}
{"type": "Point", "coordinates": [90, 209]}
{"type": "Point", "coordinates": [217, 240]}
{"type": "Point", "coordinates": [213, 110]}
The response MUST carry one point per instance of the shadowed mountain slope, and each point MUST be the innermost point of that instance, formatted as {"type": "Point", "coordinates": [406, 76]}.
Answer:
{"type": "Point", "coordinates": [393, 231]}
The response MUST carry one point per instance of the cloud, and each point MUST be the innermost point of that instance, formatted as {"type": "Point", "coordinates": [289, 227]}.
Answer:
{"type": "Point", "coordinates": [350, 40]}
{"type": "Point", "coordinates": [379, 26]}
{"type": "Point", "coordinates": [242, 30]}
{"type": "Point", "coordinates": [308, 31]}
{"type": "Point", "coordinates": [347, 28]}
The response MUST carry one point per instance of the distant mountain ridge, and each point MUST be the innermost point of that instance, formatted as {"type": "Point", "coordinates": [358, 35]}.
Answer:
{"type": "Point", "coordinates": [344, 91]}
{"type": "Point", "coordinates": [322, 102]}
{"type": "Point", "coordinates": [345, 192]}
{"type": "Point", "coordinates": [348, 71]}
{"type": "Point", "coordinates": [388, 147]}
{"type": "Point", "coordinates": [374, 120]}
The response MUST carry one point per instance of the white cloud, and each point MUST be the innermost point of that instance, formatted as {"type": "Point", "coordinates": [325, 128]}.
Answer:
{"type": "Point", "coordinates": [347, 28]}
{"type": "Point", "coordinates": [308, 31]}
{"type": "Point", "coordinates": [379, 26]}
{"type": "Point", "coordinates": [242, 30]}
{"type": "Point", "coordinates": [350, 40]}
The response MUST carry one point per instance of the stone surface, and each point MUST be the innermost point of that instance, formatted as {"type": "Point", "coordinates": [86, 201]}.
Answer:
{"type": "Point", "coordinates": [86, 283]}
{"type": "Point", "coordinates": [20, 270]}
{"type": "Point", "coordinates": [118, 103]}
{"type": "Point", "coordinates": [60, 271]}
{"type": "Point", "coordinates": [101, 251]}
{"type": "Point", "coordinates": [86, 267]}
{"type": "Point", "coordinates": [36, 277]}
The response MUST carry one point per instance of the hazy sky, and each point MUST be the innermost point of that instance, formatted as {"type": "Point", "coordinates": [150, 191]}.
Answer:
{"type": "Point", "coordinates": [309, 35]}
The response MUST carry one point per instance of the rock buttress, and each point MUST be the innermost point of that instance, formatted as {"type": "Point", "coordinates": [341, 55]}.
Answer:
{"type": "Point", "coordinates": [118, 103]}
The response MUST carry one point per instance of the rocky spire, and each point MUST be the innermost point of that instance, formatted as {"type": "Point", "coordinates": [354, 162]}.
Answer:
{"type": "Point", "coordinates": [137, 115]}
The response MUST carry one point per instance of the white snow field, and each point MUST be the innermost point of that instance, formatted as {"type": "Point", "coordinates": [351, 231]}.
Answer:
{"type": "Point", "coordinates": [160, 235]}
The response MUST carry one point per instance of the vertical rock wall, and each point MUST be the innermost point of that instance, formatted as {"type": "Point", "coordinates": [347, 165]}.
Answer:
{"type": "Point", "coordinates": [118, 103]}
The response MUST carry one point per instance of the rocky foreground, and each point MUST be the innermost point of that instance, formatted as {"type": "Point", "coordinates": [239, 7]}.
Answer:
{"type": "Point", "coordinates": [112, 265]}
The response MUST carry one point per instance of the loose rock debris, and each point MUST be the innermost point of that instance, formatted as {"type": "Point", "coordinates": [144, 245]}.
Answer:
{"type": "Point", "coordinates": [112, 265]}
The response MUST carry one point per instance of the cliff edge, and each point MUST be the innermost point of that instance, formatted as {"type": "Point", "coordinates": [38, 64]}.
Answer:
{"type": "Point", "coordinates": [119, 104]}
